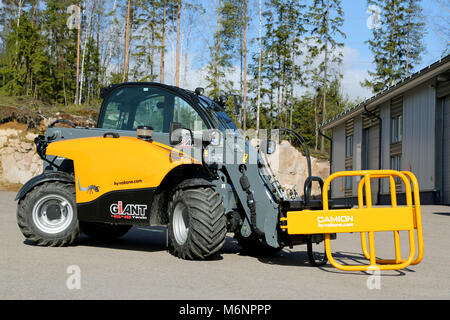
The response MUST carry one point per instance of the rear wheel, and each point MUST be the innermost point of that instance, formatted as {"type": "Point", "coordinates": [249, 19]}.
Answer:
{"type": "Point", "coordinates": [47, 215]}
{"type": "Point", "coordinates": [197, 223]}
{"type": "Point", "coordinates": [103, 231]}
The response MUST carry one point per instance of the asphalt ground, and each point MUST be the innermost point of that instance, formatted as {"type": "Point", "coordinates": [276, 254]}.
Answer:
{"type": "Point", "coordinates": [138, 266]}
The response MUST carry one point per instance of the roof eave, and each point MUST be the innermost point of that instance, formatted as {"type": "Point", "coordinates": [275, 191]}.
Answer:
{"type": "Point", "coordinates": [414, 80]}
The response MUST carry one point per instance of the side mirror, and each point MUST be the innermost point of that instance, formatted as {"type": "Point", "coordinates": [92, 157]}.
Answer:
{"type": "Point", "coordinates": [177, 132]}
{"type": "Point", "coordinates": [268, 146]}
{"type": "Point", "coordinates": [212, 137]}
{"type": "Point", "coordinates": [174, 134]}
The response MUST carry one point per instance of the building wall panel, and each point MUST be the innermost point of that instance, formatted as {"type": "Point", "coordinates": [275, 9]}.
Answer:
{"type": "Point", "coordinates": [418, 150]}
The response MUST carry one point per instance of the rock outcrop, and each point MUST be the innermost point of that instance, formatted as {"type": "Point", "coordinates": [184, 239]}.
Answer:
{"type": "Point", "coordinates": [291, 168]}
{"type": "Point", "coordinates": [19, 161]}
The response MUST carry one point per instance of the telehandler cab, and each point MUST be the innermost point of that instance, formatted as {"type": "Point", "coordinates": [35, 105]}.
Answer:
{"type": "Point", "coordinates": [161, 155]}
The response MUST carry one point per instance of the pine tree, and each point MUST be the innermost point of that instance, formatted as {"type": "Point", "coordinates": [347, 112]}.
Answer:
{"type": "Point", "coordinates": [148, 37]}
{"type": "Point", "coordinates": [326, 20]}
{"type": "Point", "coordinates": [398, 44]}
{"type": "Point", "coordinates": [279, 73]}
{"type": "Point", "coordinates": [415, 30]}
{"type": "Point", "coordinates": [218, 59]}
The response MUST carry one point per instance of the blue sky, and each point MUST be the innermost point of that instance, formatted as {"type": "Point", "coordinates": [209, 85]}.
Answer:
{"type": "Point", "coordinates": [357, 56]}
{"type": "Point", "coordinates": [357, 31]}
{"type": "Point", "coordinates": [355, 27]}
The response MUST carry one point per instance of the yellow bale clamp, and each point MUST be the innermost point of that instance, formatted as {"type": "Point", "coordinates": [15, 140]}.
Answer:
{"type": "Point", "coordinates": [366, 219]}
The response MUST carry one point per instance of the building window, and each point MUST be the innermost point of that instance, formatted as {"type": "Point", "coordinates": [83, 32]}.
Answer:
{"type": "Point", "coordinates": [396, 129]}
{"type": "Point", "coordinates": [396, 164]}
{"type": "Point", "coordinates": [349, 146]}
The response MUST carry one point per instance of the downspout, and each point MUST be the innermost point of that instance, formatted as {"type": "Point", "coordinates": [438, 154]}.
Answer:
{"type": "Point", "coordinates": [379, 149]}
{"type": "Point", "coordinates": [331, 153]}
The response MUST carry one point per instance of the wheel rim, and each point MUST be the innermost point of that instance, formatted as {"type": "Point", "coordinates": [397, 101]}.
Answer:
{"type": "Point", "coordinates": [52, 214]}
{"type": "Point", "coordinates": [180, 222]}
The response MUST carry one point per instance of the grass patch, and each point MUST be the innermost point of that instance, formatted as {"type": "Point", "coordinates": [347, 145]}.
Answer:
{"type": "Point", "coordinates": [31, 112]}
{"type": "Point", "coordinates": [46, 109]}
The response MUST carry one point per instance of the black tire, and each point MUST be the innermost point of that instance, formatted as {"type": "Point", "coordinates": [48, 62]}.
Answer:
{"type": "Point", "coordinates": [253, 246]}
{"type": "Point", "coordinates": [103, 231]}
{"type": "Point", "coordinates": [43, 198]}
{"type": "Point", "coordinates": [204, 216]}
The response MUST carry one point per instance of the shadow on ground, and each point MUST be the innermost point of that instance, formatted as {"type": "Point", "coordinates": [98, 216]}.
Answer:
{"type": "Point", "coordinates": [154, 239]}
{"type": "Point", "coordinates": [149, 239]}
{"type": "Point", "coordinates": [442, 213]}
{"type": "Point", "coordinates": [287, 257]}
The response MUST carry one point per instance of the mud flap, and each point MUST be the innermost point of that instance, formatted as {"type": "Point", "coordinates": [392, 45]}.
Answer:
{"type": "Point", "coordinates": [366, 220]}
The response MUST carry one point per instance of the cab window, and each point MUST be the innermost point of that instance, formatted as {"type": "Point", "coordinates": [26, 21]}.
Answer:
{"type": "Point", "coordinates": [129, 107]}
{"type": "Point", "coordinates": [187, 116]}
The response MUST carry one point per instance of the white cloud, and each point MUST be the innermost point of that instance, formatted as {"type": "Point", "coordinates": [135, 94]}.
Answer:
{"type": "Point", "coordinates": [354, 69]}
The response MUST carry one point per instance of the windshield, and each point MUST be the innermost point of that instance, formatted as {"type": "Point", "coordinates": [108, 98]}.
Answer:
{"type": "Point", "coordinates": [220, 116]}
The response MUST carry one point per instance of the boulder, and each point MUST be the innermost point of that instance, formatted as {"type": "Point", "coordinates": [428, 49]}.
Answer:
{"type": "Point", "coordinates": [18, 159]}
{"type": "Point", "coordinates": [291, 167]}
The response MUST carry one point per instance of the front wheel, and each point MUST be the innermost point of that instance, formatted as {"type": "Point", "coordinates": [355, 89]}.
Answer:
{"type": "Point", "coordinates": [47, 215]}
{"type": "Point", "coordinates": [197, 223]}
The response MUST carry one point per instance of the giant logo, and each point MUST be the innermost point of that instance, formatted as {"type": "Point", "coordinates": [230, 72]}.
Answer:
{"type": "Point", "coordinates": [130, 211]}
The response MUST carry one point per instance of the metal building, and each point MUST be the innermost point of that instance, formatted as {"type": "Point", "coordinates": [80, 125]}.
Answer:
{"type": "Point", "coordinates": [405, 127]}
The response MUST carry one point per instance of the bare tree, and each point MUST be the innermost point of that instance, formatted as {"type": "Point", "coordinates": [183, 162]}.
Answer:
{"type": "Point", "coordinates": [259, 67]}
{"type": "Point", "coordinates": [439, 24]}
{"type": "Point", "coordinates": [245, 66]}
{"type": "Point", "coordinates": [77, 90]}
{"type": "Point", "coordinates": [127, 43]}
{"type": "Point", "coordinates": [177, 69]}
{"type": "Point", "coordinates": [111, 32]}
{"type": "Point", "coordinates": [163, 45]}
{"type": "Point", "coordinates": [19, 10]}
{"type": "Point", "coordinates": [86, 37]}
{"type": "Point", "coordinates": [182, 38]}
{"type": "Point", "coordinates": [325, 77]}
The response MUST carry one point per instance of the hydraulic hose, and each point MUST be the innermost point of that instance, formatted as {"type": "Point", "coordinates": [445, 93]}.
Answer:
{"type": "Point", "coordinates": [245, 184]}
{"type": "Point", "coordinates": [304, 147]}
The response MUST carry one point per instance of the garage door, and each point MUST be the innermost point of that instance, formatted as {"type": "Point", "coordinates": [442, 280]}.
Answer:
{"type": "Point", "coordinates": [446, 152]}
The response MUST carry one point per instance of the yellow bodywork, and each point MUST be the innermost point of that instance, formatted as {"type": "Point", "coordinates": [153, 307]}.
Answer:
{"type": "Point", "coordinates": [103, 164]}
{"type": "Point", "coordinates": [367, 220]}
